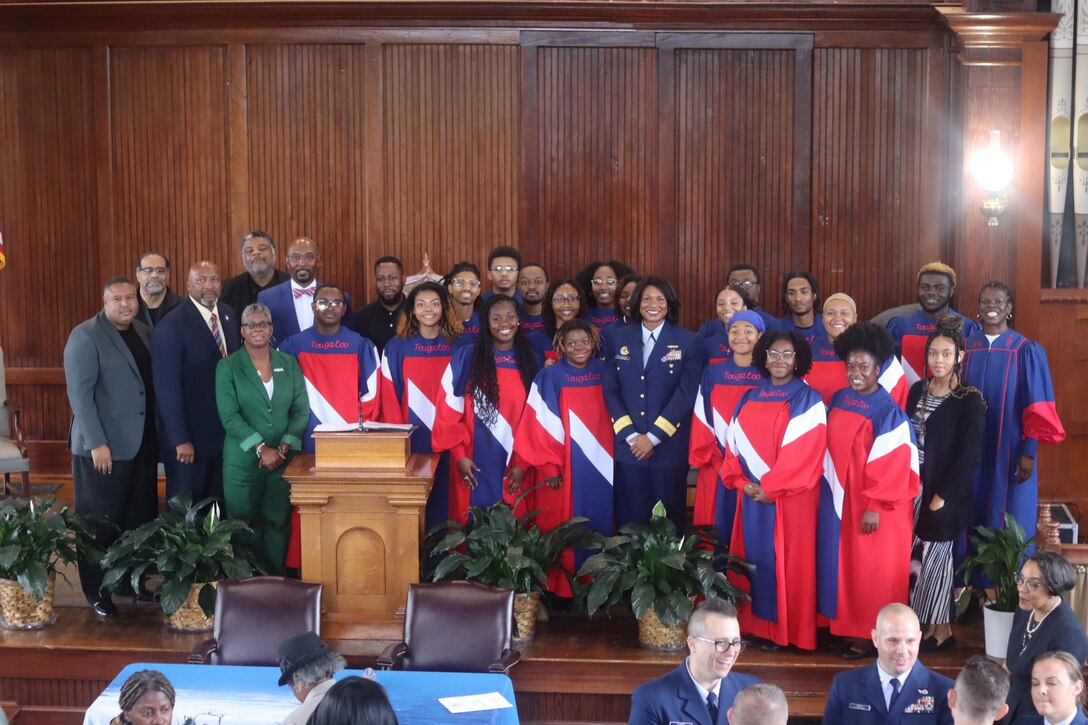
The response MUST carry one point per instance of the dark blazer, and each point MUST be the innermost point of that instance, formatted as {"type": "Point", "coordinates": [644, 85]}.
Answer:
{"type": "Point", "coordinates": [241, 291]}
{"type": "Point", "coordinates": [281, 302]}
{"type": "Point", "coordinates": [856, 698]}
{"type": "Point", "coordinates": [1060, 630]}
{"type": "Point", "coordinates": [673, 698]}
{"type": "Point", "coordinates": [953, 449]}
{"type": "Point", "coordinates": [248, 416]}
{"type": "Point", "coordinates": [170, 301]}
{"type": "Point", "coordinates": [183, 360]}
{"type": "Point", "coordinates": [658, 399]}
{"type": "Point", "coordinates": [105, 389]}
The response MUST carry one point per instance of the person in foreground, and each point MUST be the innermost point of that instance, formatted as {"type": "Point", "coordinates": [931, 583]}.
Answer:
{"type": "Point", "coordinates": [979, 694]}
{"type": "Point", "coordinates": [357, 701]}
{"type": "Point", "coordinates": [1057, 689]}
{"type": "Point", "coordinates": [147, 698]}
{"type": "Point", "coordinates": [760, 704]}
{"type": "Point", "coordinates": [897, 688]}
{"type": "Point", "coordinates": [307, 664]}
{"type": "Point", "coordinates": [703, 688]}
{"type": "Point", "coordinates": [1044, 622]}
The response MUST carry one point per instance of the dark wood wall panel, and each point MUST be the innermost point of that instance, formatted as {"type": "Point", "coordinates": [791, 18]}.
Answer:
{"type": "Point", "coordinates": [596, 152]}
{"type": "Point", "coordinates": [877, 145]}
{"type": "Point", "coordinates": [169, 157]}
{"type": "Point", "coordinates": [734, 170]}
{"type": "Point", "coordinates": [451, 144]}
{"type": "Point", "coordinates": [47, 200]}
{"type": "Point", "coordinates": [306, 109]}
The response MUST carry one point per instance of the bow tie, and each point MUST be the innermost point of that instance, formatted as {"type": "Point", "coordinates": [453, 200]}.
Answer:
{"type": "Point", "coordinates": [309, 292]}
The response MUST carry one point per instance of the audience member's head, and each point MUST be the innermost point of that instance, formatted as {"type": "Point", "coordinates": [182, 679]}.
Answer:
{"type": "Point", "coordinates": [896, 638]}
{"type": "Point", "coordinates": [1057, 686]}
{"type": "Point", "coordinates": [979, 695]}
{"type": "Point", "coordinates": [714, 642]}
{"type": "Point", "coordinates": [306, 661]}
{"type": "Point", "coordinates": [354, 701]}
{"type": "Point", "coordinates": [761, 704]}
{"type": "Point", "coordinates": [147, 698]}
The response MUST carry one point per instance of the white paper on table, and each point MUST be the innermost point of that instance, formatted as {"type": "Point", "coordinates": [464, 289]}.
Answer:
{"type": "Point", "coordinates": [475, 703]}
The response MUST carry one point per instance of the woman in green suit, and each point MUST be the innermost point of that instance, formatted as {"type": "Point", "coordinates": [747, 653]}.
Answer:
{"type": "Point", "coordinates": [262, 402]}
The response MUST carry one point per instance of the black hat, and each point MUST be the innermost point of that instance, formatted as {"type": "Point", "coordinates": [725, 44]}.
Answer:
{"type": "Point", "coordinates": [297, 652]}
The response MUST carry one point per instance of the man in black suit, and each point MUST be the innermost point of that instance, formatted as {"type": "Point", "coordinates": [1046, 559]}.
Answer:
{"type": "Point", "coordinates": [186, 347]}
{"type": "Point", "coordinates": [107, 369]}
{"type": "Point", "coordinates": [156, 297]}
{"type": "Point", "coordinates": [259, 259]}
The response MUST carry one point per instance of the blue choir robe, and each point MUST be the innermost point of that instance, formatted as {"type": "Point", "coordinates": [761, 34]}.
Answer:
{"type": "Point", "coordinates": [828, 373]}
{"type": "Point", "coordinates": [910, 332]}
{"type": "Point", "coordinates": [714, 339]}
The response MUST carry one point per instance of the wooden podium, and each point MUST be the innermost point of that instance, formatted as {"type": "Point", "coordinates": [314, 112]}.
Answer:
{"type": "Point", "coordinates": [361, 499]}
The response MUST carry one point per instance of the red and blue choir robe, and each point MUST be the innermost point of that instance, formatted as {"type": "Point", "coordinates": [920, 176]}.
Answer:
{"type": "Point", "coordinates": [490, 446]}
{"type": "Point", "coordinates": [529, 323]}
{"type": "Point", "coordinates": [566, 431]}
{"type": "Point", "coordinates": [778, 438]}
{"type": "Point", "coordinates": [602, 318]}
{"type": "Point", "coordinates": [1014, 377]}
{"type": "Point", "coordinates": [410, 384]}
{"type": "Point", "coordinates": [871, 464]}
{"type": "Point", "coordinates": [810, 333]}
{"type": "Point", "coordinates": [910, 332]}
{"type": "Point", "coordinates": [470, 328]}
{"type": "Point", "coordinates": [714, 339]}
{"type": "Point", "coordinates": [543, 344]}
{"type": "Point", "coordinates": [828, 374]}
{"type": "Point", "coordinates": [720, 390]}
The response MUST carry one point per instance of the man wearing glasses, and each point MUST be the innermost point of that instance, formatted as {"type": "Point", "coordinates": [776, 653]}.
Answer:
{"type": "Point", "coordinates": [702, 689]}
{"type": "Point", "coordinates": [503, 266]}
{"type": "Point", "coordinates": [291, 303]}
{"type": "Point", "coordinates": [156, 297]}
{"type": "Point", "coordinates": [745, 277]}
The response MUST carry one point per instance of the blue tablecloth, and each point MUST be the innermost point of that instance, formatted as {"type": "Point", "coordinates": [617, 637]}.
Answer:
{"type": "Point", "coordinates": [224, 695]}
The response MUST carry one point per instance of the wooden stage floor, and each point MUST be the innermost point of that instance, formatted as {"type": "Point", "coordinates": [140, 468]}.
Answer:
{"type": "Point", "coordinates": [576, 670]}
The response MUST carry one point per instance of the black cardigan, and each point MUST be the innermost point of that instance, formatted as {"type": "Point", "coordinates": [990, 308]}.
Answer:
{"type": "Point", "coordinates": [953, 449]}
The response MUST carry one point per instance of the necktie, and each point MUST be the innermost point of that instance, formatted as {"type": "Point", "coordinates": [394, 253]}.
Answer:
{"type": "Point", "coordinates": [895, 692]}
{"type": "Point", "coordinates": [218, 337]}
{"type": "Point", "coordinates": [712, 706]}
{"type": "Point", "coordinates": [308, 292]}
{"type": "Point", "coordinates": [649, 349]}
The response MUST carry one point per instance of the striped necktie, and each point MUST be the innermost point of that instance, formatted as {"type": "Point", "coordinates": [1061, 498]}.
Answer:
{"type": "Point", "coordinates": [218, 337]}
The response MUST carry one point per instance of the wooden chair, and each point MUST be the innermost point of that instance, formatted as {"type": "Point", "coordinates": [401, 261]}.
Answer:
{"type": "Point", "coordinates": [1076, 554]}
{"type": "Point", "coordinates": [455, 627]}
{"type": "Point", "coordinates": [13, 455]}
{"type": "Point", "coordinates": [253, 616]}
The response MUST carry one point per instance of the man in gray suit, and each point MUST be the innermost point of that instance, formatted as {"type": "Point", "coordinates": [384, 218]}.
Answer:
{"type": "Point", "coordinates": [107, 367]}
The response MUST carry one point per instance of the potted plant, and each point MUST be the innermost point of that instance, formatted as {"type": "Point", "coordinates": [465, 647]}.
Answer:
{"type": "Point", "coordinates": [999, 554]}
{"type": "Point", "coordinates": [496, 547]}
{"type": "Point", "coordinates": [34, 539]}
{"type": "Point", "coordinates": [662, 573]}
{"type": "Point", "coordinates": [191, 547]}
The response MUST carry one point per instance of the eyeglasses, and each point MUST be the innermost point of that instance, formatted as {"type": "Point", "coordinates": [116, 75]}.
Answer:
{"type": "Point", "coordinates": [575, 344]}
{"type": "Point", "coordinates": [742, 283]}
{"type": "Point", "coordinates": [326, 304]}
{"type": "Point", "coordinates": [1032, 585]}
{"type": "Point", "coordinates": [724, 645]}
{"type": "Point", "coordinates": [470, 283]}
{"type": "Point", "coordinates": [296, 258]}
{"type": "Point", "coordinates": [781, 354]}
{"type": "Point", "coordinates": [568, 300]}
{"type": "Point", "coordinates": [152, 270]}
{"type": "Point", "coordinates": [599, 281]}
{"type": "Point", "coordinates": [257, 325]}
{"type": "Point", "coordinates": [504, 268]}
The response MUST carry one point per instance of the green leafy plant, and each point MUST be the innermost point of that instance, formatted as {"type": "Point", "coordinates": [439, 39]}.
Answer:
{"type": "Point", "coordinates": [34, 539]}
{"type": "Point", "coordinates": [658, 569]}
{"type": "Point", "coordinates": [189, 544]}
{"type": "Point", "coordinates": [999, 554]}
{"type": "Point", "coordinates": [495, 547]}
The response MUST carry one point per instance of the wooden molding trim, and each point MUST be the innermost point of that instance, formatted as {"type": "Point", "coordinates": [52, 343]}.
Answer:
{"type": "Point", "coordinates": [35, 376]}
{"type": "Point", "coordinates": [997, 30]}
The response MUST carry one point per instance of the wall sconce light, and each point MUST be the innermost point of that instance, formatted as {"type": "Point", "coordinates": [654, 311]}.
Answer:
{"type": "Point", "coordinates": [993, 170]}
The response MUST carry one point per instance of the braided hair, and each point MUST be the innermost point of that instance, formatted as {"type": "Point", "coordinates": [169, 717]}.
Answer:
{"type": "Point", "coordinates": [483, 376]}
{"type": "Point", "coordinates": [951, 328]}
{"type": "Point", "coordinates": [136, 686]}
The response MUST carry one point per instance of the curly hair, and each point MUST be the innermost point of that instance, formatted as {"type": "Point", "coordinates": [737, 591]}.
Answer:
{"type": "Point", "coordinates": [949, 326]}
{"type": "Point", "coordinates": [483, 375]}
{"type": "Point", "coordinates": [549, 313]}
{"type": "Point", "coordinates": [585, 326]}
{"type": "Point", "coordinates": [136, 686]}
{"type": "Point", "coordinates": [408, 325]}
{"type": "Point", "coordinates": [585, 277]}
{"type": "Point", "coordinates": [865, 337]}
{"type": "Point", "coordinates": [938, 268]}
{"type": "Point", "coordinates": [802, 362]}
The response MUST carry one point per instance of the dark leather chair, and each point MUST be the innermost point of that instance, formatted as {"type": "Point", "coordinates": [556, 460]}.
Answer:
{"type": "Point", "coordinates": [455, 627]}
{"type": "Point", "coordinates": [253, 616]}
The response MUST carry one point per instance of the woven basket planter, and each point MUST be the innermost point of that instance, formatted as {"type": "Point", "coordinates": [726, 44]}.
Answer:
{"type": "Point", "coordinates": [526, 607]}
{"type": "Point", "coordinates": [190, 617]}
{"type": "Point", "coordinates": [19, 610]}
{"type": "Point", "coordinates": [652, 634]}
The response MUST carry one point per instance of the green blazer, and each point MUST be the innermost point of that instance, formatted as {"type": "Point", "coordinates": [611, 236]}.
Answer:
{"type": "Point", "coordinates": [248, 416]}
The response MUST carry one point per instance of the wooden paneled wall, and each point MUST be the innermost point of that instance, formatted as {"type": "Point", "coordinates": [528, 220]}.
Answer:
{"type": "Point", "coordinates": [674, 142]}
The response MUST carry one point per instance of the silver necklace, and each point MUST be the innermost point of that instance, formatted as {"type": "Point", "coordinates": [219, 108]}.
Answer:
{"type": "Point", "coordinates": [1029, 631]}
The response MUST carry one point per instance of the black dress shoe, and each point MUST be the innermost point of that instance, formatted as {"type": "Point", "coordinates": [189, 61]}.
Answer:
{"type": "Point", "coordinates": [770, 646]}
{"type": "Point", "coordinates": [103, 607]}
{"type": "Point", "coordinates": [930, 644]}
{"type": "Point", "coordinates": [851, 653]}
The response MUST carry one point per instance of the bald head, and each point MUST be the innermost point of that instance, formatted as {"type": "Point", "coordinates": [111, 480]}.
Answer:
{"type": "Point", "coordinates": [302, 261]}
{"type": "Point", "coordinates": [896, 637]}
{"type": "Point", "coordinates": [204, 283]}
{"type": "Point", "coordinates": [761, 704]}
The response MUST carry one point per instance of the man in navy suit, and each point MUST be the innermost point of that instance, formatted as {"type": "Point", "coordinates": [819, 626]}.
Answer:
{"type": "Point", "coordinates": [185, 348]}
{"type": "Point", "coordinates": [760, 704]}
{"type": "Point", "coordinates": [702, 689]}
{"type": "Point", "coordinates": [897, 689]}
{"type": "Point", "coordinates": [979, 695]}
{"type": "Point", "coordinates": [291, 302]}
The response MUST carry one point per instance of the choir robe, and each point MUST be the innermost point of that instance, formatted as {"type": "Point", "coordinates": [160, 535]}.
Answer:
{"type": "Point", "coordinates": [529, 323]}
{"type": "Point", "coordinates": [1014, 378]}
{"type": "Point", "coordinates": [828, 374]}
{"type": "Point", "coordinates": [871, 464]}
{"type": "Point", "coordinates": [721, 388]}
{"type": "Point", "coordinates": [410, 383]}
{"type": "Point", "coordinates": [470, 328]}
{"type": "Point", "coordinates": [778, 439]}
{"type": "Point", "coordinates": [810, 333]}
{"type": "Point", "coordinates": [910, 332]}
{"type": "Point", "coordinates": [714, 339]}
{"type": "Point", "coordinates": [602, 318]}
{"type": "Point", "coordinates": [566, 431]}
{"type": "Point", "coordinates": [490, 446]}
